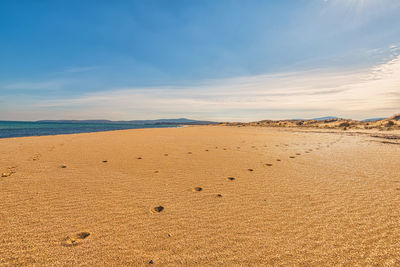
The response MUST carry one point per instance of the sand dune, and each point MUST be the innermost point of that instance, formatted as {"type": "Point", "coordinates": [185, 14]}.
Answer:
{"type": "Point", "coordinates": [389, 124]}
{"type": "Point", "coordinates": [203, 195]}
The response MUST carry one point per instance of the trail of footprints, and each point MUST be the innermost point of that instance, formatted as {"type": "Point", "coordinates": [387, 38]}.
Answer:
{"type": "Point", "coordinates": [79, 238]}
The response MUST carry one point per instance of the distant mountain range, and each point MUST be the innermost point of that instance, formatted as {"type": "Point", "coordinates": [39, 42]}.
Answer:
{"type": "Point", "coordinates": [337, 118]}
{"type": "Point", "coordinates": [180, 121]}
{"type": "Point", "coordinates": [326, 118]}
{"type": "Point", "coordinates": [373, 119]}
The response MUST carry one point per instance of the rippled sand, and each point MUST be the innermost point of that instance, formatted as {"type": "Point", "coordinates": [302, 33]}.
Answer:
{"type": "Point", "coordinates": [208, 195]}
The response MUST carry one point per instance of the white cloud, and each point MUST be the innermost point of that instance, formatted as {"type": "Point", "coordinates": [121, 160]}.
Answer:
{"type": "Point", "coordinates": [357, 94]}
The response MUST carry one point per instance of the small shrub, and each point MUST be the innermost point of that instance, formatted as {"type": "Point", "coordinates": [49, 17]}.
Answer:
{"type": "Point", "coordinates": [389, 123]}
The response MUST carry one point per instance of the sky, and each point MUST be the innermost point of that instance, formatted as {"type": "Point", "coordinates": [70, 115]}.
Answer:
{"type": "Point", "coordinates": [225, 60]}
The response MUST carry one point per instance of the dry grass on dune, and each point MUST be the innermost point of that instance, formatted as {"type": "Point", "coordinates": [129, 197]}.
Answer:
{"type": "Point", "coordinates": [389, 124]}
{"type": "Point", "coordinates": [201, 196]}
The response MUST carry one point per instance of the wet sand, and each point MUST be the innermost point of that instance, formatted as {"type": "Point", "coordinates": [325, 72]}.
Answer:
{"type": "Point", "coordinates": [204, 195]}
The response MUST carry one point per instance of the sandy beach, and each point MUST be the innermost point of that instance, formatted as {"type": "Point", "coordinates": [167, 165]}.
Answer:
{"type": "Point", "coordinates": [200, 196]}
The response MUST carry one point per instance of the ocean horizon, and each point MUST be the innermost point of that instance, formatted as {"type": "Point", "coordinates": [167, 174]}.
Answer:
{"type": "Point", "coordinates": [9, 129]}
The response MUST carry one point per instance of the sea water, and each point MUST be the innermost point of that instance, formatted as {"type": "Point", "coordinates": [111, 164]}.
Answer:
{"type": "Point", "coordinates": [20, 129]}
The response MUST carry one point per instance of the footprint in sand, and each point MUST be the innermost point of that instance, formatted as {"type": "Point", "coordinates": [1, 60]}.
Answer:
{"type": "Point", "coordinates": [197, 189]}
{"type": "Point", "coordinates": [157, 209]}
{"type": "Point", "coordinates": [9, 172]}
{"type": "Point", "coordinates": [268, 164]}
{"type": "Point", "coordinates": [63, 166]}
{"type": "Point", "coordinates": [75, 240]}
{"type": "Point", "coordinates": [36, 156]}
{"type": "Point", "coordinates": [219, 195]}
{"type": "Point", "coordinates": [6, 174]}
{"type": "Point", "coordinates": [250, 170]}
{"type": "Point", "coordinates": [105, 161]}
{"type": "Point", "coordinates": [292, 157]}
{"type": "Point", "coordinates": [231, 178]}
{"type": "Point", "coordinates": [298, 154]}
{"type": "Point", "coordinates": [139, 157]}
{"type": "Point", "coordinates": [278, 160]}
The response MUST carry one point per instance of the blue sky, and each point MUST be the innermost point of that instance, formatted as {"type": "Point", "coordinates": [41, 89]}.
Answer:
{"type": "Point", "coordinates": [217, 60]}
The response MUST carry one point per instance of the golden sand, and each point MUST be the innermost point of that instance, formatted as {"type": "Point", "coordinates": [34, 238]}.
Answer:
{"type": "Point", "coordinates": [207, 195]}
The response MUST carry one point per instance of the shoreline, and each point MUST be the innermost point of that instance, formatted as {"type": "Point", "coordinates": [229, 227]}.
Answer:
{"type": "Point", "coordinates": [100, 131]}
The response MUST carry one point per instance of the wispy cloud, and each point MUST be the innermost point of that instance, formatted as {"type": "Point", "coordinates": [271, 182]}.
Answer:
{"type": "Point", "coordinates": [357, 94]}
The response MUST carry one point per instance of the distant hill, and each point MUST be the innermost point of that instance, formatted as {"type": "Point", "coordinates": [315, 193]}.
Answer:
{"type": "Point", "coordinates": [325, 118]}
{"type": "Point", "coordinates": [373, 119]}
{"type": "Point", "coordinates": [180, 121]}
